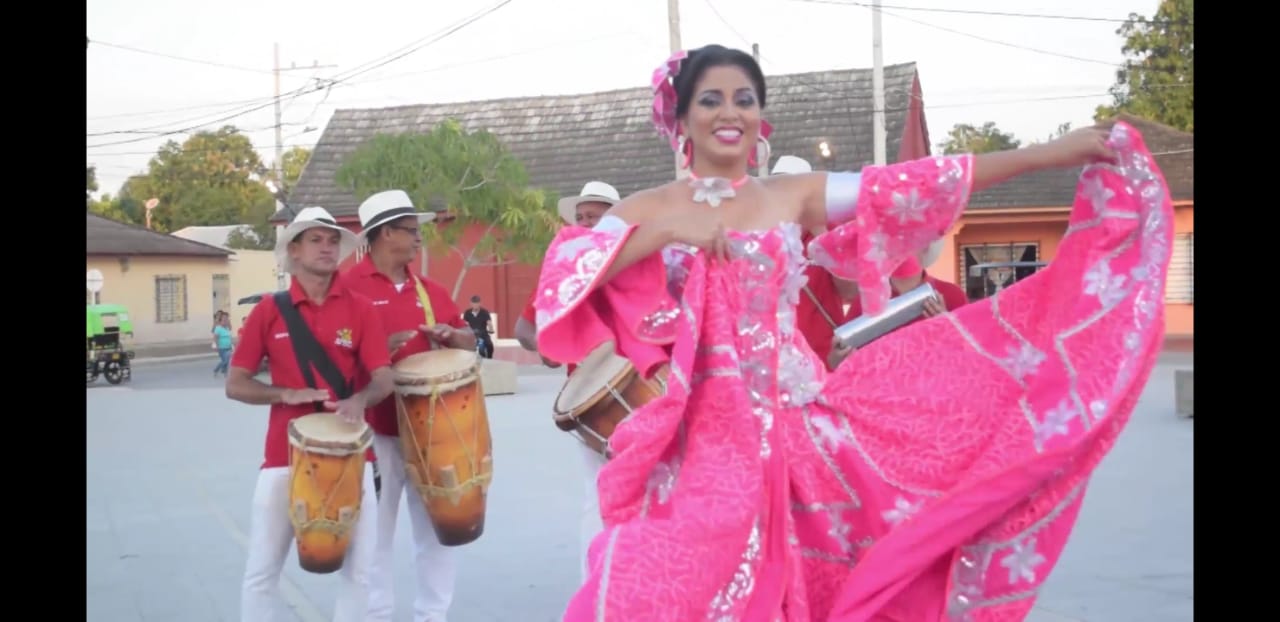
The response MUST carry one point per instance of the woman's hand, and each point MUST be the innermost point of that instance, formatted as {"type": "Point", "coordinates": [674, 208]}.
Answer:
{"type": "Point", "coordinates": [1079, 148]}
{"type": "Point", "coordinates": [702, 229]}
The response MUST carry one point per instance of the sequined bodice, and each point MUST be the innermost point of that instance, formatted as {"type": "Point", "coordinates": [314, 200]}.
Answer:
{"type": "Point", "coordinates": [749, 319]}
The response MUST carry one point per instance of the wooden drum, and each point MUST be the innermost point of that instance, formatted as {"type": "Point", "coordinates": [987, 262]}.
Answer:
{"type": "Point", "coordinates": [602, 392]}
{"type": "Point", "coordinates": [444, 435]}
{"type": "Point", "coordinates": [326, 484]}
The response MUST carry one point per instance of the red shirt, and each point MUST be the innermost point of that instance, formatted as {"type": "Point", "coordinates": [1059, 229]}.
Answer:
{"type": "Point", "coordinates": [809, 319]}
{"type": "Point", "coordinates": [530, 315]}
{"type": "Point", "coordinates": [952, 298]}
{"type": "Point", "coordinates": [346, 327]}
{"type": "Point", "coordinates": [400, 311]}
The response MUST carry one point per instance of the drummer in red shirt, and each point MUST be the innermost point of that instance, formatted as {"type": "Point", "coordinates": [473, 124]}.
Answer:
{"type": "Point", "coordinates": [821, 306]}
{"type": "Point", "coordinates": [351, 336]}
{"type": "Point", "coordinates": [584, 210]}
{"type": "Point", "coordinates": [419, 315]}
{"type": "Point", "coordinates": [907, 277]}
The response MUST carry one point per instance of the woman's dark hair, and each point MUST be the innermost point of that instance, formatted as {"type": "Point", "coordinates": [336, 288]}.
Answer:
{"type": "Point", "coordinates": [704, 58]}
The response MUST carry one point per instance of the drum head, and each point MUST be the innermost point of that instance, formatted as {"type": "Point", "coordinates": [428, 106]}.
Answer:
{"type": "Point", "coordinates": [435, 366]}
{"type": "Point", "coordinates": [589, 381]}
{"type": "Point", "coordinates": [326, 429]}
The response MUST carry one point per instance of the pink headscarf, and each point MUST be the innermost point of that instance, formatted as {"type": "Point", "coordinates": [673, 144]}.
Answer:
{"type": "Point", "coordinates": [665, 100]}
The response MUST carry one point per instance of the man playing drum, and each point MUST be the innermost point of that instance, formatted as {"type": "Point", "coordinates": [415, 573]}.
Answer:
{"type": "Point", "coordinates": [583, 210]}
{"type": "Point", "coordinates": [419, 315]}
{"type": "Point", "coordinates": [345, 329]}
{"type": "Point", "coordinates": [821, 307]}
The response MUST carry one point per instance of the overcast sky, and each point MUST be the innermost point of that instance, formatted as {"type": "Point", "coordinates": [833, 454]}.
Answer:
{"type": "Point", "coordinates": [190, 64]}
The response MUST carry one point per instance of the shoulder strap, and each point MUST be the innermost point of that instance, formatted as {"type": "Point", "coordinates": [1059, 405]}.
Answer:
{"type": "Point", "coordinates": [424, 299]}
{"type": "Point", "coordinates": [309, 351]}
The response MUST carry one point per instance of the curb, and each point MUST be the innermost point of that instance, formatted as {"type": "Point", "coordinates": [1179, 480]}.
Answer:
{"type": "Point", "coordinates": [153, 360]}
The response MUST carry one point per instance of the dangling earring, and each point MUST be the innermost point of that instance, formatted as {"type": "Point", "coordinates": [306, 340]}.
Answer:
{"type": "Point", "coordinates": [761, 153]}
{"type": "Point", "coordinates": [686, 148]}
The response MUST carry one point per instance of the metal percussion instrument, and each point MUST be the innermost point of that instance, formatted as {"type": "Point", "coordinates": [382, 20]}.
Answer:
{"type": "Point", "coordinates": [900, 311]}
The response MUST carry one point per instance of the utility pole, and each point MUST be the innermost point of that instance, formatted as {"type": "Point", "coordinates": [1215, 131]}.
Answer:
{"type": "Point", "coordinates": [877, 85]}
{"type": "Point", "coordinates": [673, 24]}
{"type": "Point", "coordinates": [673, 39]}
{"type": "Point", "coordinates": [762, 165]}
{"type": "Point", "coordinates": [279, 166]}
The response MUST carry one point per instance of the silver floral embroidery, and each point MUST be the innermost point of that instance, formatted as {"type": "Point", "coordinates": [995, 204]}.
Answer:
{"type": "Point", "coordinates": [1099, 194]}
{"type": "Point", "coordinates": [1022, 561]}
{"type": "Point", "coordinates": [902, 510]}
{"type": "Point", "coordinates": [1023, 361]}
{"type": "Point", "coordinates": [909, 207]}
{"type": "Point", "coordinates": [1108, 287]}
{"type": "Point", "coordinates": [734, 595]}
{"type": "Point", "coordinates": [1056, 422]}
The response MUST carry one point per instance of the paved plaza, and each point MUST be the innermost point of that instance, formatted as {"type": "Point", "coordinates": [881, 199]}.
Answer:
{"type": "Point", "coordinates": [172, 465]}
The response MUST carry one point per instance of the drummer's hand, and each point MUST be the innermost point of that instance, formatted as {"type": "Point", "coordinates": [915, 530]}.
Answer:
{"type": "Point", "coordinates": [351, 410]}
{"type": "Point", "coordinates": [397, 340]}
{"type": "Point", "coordinates": [839, 353]}
{"type": "Point", "coordinates": [933, 306]}
{"type": "Point", "coordinates": [440, 333]}
{"type": "Point", "coordinates": [548, 362]}
{"type": "Point", "coordinates": [294, 397]}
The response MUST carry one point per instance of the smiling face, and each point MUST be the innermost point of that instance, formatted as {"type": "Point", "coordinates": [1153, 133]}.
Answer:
{"type": "Point", "coordinates": [723, 120]}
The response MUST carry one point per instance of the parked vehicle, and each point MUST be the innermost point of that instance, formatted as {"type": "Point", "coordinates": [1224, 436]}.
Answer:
{"type": "Point", "coordinates": [108, 343]}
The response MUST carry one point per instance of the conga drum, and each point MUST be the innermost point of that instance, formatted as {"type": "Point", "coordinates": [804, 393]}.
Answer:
{"type": "Point", "coordinates": [444, 435]}
{"type": "Point", "coordinates": [602, 392]}
{"type": "Point", "coordinates": [326, 484]}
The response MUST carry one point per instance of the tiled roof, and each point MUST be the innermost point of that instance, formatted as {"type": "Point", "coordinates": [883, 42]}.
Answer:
{"type": "Point", "coordinates": [566, 140]}
{"type": "Point", "coordinates": [104, 236]}
{"type": "Point", "coordinates": [1057, 188]}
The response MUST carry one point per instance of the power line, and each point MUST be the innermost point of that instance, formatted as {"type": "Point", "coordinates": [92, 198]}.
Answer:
{"type": "Point", "coordinates": [184, 59]}
{"type": "Point", "coordinates": [326, 84]}
{"type": "Point", "coordinates": [1079, 18]}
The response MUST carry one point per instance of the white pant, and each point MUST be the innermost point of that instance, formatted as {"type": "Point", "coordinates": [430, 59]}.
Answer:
{"type": "Point", "coordinates": [435, 563]}
{"type": "Point", "coordinates": [271, 537]}
{"type": "Point", "coordinates": [591, 523]}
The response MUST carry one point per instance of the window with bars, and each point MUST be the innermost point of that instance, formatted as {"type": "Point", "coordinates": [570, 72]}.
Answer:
{"type": "Point", "coordinates": [977, 287]}
{"type": "Point", "coordinates": [1180, 288]}
{"type": "Point", "coordinates": [171, 298]}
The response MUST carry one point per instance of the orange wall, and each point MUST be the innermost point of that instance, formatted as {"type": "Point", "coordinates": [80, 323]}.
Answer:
{"type": "Point", "coordinates": [1045, 229]}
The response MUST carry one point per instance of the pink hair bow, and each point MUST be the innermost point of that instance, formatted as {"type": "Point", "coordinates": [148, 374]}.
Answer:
{"type": "Point", "coordinates": [664, 101]}
{"type": "Point", "coordinates": [664, 98]}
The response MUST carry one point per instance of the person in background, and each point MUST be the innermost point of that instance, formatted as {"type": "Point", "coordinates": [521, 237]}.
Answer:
{"type": "Point", "coordinates": [584, 210]}
{"type": "Point", "coordinates": [821, 307]}
{"type": "Point", "coordinates": [309, 249]}
{"type": "Point", "coordinates": [222, 341]}
{"type": "Point", "coordinates": [419, 315]}
{"type": "Point", "coordinates": [910, 275]}
{"type": "Point", "coordinates": [481, 323]}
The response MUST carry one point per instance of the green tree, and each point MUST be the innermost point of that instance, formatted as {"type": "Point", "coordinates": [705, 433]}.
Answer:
{"type": "Point", "coordinates": [967, 138]}
{"type": "Point", "coordinates": [470, 174]}
{"type": "Point", "coordinates": [1156, 81]}
{"type": "Point", "coordinates": [211, 178]}
{"type": "Point", "coordinates": [91, 182]}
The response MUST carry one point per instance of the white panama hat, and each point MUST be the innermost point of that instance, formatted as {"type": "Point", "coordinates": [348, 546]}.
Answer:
{"type": "Point", "coordinates": [593, 191]}
{"type": "Point", "coordinates": [385, 207]}
{"type": "Point", "coordinates": [310, 218]}
{"type": "Point", "coordinates": [791, 165]}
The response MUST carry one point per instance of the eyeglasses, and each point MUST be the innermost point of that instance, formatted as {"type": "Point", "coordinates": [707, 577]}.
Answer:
{"type": "Point", "coordinates": [414, 231]}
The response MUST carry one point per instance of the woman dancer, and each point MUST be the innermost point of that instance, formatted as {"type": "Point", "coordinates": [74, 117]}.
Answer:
{"type": "Point", "coordinates": [937, 472]}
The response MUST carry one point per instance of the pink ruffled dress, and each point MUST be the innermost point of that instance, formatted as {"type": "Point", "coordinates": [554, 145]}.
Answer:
{"type": "Point", "coordinates": [935, 475]}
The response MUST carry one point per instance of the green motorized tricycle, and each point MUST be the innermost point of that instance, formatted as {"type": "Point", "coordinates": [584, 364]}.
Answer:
{"type": "Point", "coordinates": [108, 343]}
